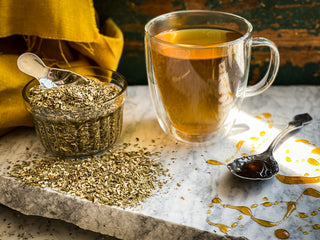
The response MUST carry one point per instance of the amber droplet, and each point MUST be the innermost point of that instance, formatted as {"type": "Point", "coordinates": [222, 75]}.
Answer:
{"type": "Point", "coordinates": [259, 117]}
{"type": "Point", "coordinates": [214, 162]}
{"type": "Point", "coordinates": [240, 217]}
{"type": "Point", "coordinates": [303, 215]}
{"type": "Point", "coordinates": [265, 199]}
{"type": "Point", "coordinates": [288, 159]}
{"type": "Point", "coordinates": [254, 205]}
{"type": "Point", "coordinates": [316, 151]}
{"type": "Point", "coordinates": [216, 200]}
{"type": "Point", "coordinates": [314, 213]}
{"type": "Point", "coordinates": [254, 138]}
{"type": "Point", "coordinates": [267, 115]}
{"type": "Point", "coordinates": [282, 233]}
{"type": "Point", "coordinates": [235, 224]}
{"type": "Point", "coordinates": [239, 145]}
{"type": "Point", "coordinates": [316, 226]}
{"type": "Point", "coordinates": [297, 179]}
{"type": "Point", "coordinates": [313, 162]}
{"type": "Point", "coordinates": [262, 133]}
{"type": "Point", "coordinates": [267, 204]}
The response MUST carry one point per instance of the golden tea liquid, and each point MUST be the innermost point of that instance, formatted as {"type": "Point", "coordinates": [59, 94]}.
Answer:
{"type": "Point", "coordinates": [196, 84]}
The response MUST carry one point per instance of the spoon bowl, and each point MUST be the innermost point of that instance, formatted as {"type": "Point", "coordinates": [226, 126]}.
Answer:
{"type": "Point", "coordinates": [31, 64]}
{"type": "Point", "coordinates": [255, 167]}
{"type": "Point", "coordinates": [263, 166]}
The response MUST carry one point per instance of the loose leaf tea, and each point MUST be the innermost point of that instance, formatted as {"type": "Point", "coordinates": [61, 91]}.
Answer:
{"type": "Point", "coordinates": [118, 177]}
{"type": "Point", "coordinates": [77, 119]}
{"type": "Point", "coordinates": [71, 97]}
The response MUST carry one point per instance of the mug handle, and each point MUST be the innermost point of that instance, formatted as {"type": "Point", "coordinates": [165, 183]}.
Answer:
{"type": "Point", "coordinates": [273, 68]}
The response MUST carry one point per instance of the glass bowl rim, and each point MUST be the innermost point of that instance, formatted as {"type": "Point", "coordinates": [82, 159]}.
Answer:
{"type": "Point", "coordinates": [118, 95]}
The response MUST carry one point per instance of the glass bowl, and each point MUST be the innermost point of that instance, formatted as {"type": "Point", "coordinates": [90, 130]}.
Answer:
{"type": "Point", "coordinates": [83, 130]}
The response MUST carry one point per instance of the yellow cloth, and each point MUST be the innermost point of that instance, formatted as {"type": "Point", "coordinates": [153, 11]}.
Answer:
{"type": "Point", "coordinates": [62, 33]}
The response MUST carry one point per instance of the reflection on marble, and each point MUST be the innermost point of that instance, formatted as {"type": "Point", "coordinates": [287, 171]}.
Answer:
{"type": "Point", "coordinates": [184, 209]}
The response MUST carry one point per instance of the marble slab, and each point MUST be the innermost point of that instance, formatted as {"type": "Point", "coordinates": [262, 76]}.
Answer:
{"type": "Point", "coordinates": [188, 207]}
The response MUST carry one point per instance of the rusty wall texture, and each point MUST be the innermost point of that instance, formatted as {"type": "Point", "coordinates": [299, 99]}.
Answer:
{"type": "Point", "coordinates": [294, 25]}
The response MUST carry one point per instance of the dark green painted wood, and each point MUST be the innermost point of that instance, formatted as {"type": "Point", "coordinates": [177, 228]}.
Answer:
{"type": "Point", "coordinates": [293, 25]}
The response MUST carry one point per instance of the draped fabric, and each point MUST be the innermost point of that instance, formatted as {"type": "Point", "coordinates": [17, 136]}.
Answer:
{"type": "Point", "coordinates": [63, 33]}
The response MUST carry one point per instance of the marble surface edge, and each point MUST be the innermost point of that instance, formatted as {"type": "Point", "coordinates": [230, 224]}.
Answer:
{"type": "Point", "coordinates": [49, 203]}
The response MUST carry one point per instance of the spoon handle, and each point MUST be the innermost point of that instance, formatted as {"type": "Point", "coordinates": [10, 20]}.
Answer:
{"type": "Point", "coordinates": [32, 65]}
{"type": "Point", "coordinates": [297, 122]}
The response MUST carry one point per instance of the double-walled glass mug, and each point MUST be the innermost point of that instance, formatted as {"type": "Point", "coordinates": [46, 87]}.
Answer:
{"type": "Point", "coordinates": [197, 64]}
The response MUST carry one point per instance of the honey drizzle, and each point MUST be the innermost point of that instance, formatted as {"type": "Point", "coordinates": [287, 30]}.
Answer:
{"type": "Point", "coordinates": [297, 179]}
{"type": "Point", "coordinates": [291, 206]}
{"type": "Point", "coordinates": [303, 141]}
{"type": "Point", "coordinates": [247, 211]}
{"type": "Point", "coordinates": [223, 228]}
{"type": "Point", "coordinates": [310, 192]}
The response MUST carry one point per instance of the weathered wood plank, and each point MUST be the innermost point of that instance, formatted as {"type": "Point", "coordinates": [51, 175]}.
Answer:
{"type": "Point", "coordinates": [293, 25]}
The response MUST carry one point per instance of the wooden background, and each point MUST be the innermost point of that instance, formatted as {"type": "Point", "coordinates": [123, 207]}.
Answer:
{"type": "Point", "coordinates": [294, 25]}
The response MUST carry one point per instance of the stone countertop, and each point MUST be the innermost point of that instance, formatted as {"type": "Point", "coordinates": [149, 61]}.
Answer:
{"type": "Point", "coordinates": [200, 200]}
{"type": "Point", "coordinates": [17, 226]}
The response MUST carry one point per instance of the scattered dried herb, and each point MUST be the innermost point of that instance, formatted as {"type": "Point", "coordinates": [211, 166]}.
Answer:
{"type": "Point", "coordinates": [118, 177]}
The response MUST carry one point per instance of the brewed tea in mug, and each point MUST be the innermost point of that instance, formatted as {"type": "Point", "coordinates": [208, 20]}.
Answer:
{"type": "Point", "coordinates": [194, 87]}
{"type": "Point", "coordinates": [198, 64]}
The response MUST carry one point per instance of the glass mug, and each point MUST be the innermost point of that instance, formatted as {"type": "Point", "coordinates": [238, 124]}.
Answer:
{"type": "Point", "coordinates": [197, 64]}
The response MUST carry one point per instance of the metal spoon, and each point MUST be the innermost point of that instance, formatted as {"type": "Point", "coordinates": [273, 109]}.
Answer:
{"type": "Point", "coordinates": [263, 166]}
{"type": "Point", "coordinates": [31, 64]}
